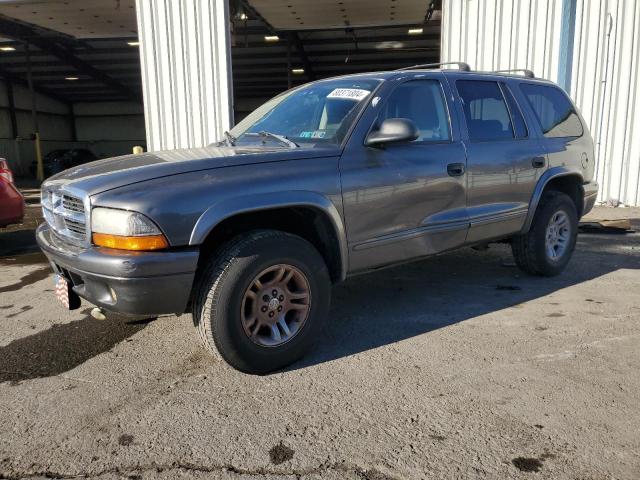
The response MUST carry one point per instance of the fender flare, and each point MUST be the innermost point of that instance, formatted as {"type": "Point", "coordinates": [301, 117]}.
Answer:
{"type": "Point", "coordinates": [228, 208]}
{"type": "Point", "coordinates": [545, 178]}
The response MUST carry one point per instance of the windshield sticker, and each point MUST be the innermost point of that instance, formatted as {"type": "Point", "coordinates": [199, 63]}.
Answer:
{"type": "Point", "coordinates": [313, 134]}
{"type": "Point", "coordinates": [356, 94]}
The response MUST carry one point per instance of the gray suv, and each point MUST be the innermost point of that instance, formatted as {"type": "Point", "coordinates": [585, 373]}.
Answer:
{"type": "Point", "coordinates": [333, 178]}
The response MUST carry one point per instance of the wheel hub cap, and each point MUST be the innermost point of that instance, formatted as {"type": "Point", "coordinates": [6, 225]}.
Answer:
{"type": "Point", "coordinates": [276, 305]}
{"type": "Point", "coordinates": [557, 235]}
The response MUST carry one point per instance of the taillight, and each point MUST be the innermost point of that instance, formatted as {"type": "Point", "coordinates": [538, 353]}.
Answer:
{"type": "Point", "coordinates": [5, 172]}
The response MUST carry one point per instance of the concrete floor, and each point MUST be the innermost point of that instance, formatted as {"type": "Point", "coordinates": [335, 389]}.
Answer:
{"type": "Point", "coordinates": [455, 367]}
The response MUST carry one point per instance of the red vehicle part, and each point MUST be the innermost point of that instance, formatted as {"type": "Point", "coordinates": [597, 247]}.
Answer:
{"type": "Point", "coordinates": [11, 200]}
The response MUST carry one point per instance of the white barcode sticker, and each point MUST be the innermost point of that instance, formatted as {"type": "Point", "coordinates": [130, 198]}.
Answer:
{"type": "Point", "coordinates": [356, 94]}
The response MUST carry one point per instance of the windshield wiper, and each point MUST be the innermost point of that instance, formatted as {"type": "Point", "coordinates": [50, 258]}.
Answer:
{"type": "Point", "coordinates": [231, 140]}
{"type": "Point", "coordinates": [282, 139]}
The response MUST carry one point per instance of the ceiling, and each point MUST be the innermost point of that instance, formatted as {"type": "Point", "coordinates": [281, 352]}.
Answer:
{"type": "Point", "coordinates": [89, 40]}
{"type": "Point", "coordinates": [78, 18]}
{"type": "Point", "coordinates": [319, 14]}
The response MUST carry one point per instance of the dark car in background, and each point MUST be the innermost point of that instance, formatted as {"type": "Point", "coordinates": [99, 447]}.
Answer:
{"type": "Point", "coordinates": [58, 160]}
{"type": "Point", "coordinates": [11, 200]}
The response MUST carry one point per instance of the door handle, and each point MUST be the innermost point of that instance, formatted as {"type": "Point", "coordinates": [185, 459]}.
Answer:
{"type": "Point", "coordinates": [455, 169]}
{"type": "Point", "coordinates": [538, 162]}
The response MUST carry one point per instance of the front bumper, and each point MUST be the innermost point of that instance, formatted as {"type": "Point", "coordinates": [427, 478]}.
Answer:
{"type": "Point", "coordinates": [590, 194]}
{"type": "Point", "coordinates": [137, 283]}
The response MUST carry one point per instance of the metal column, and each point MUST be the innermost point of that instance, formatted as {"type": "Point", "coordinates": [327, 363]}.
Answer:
{"type": "Point", "coordinates": [186, 71]}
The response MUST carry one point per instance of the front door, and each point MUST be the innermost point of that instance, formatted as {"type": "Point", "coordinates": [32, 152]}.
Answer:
{"type": "Point", "coordinates": [407, 200]}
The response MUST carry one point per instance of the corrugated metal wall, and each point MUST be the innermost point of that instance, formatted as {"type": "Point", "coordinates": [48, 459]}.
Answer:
{"type": "Point", "coordinates": [186, 71]}
{"type": "Point", "coordinates": [605, 85]}
{"type": "Point", "coordinates": [594, 43]}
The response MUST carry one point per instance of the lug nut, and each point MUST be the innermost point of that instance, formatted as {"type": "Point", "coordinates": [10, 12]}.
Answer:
{"type": "Point", "coordinates": [281, 298]}
{"type": "Point", "coordinates": [280, 308]}
{"type": "Point", "coordinates": [264, 308]}
{"type": "Point", "coordinates": [265, 298]}
{"type": "Point", "coordinates": [275, 293]}
{"type": "Point", "coordinates": [271, 314]}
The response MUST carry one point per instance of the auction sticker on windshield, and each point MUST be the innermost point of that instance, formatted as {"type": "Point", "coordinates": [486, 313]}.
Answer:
{"type": "Point", "coordinates": [356, 94]}
{"type": "Point", "coordinates": [313, 134]}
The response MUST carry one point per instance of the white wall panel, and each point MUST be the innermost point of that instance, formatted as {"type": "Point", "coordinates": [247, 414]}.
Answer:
{"type": "Point", "coordinates": [501, 34]}
{"type": "Point", "coordinates": [605, 85]}
{"type": "Point", "coordinates": [186, 71]}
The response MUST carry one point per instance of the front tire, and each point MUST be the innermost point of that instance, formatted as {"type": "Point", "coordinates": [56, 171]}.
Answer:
{"type": "Point", "coordinates": [547, 247]}
{"type": "Point", "coordinates": [262, 301]}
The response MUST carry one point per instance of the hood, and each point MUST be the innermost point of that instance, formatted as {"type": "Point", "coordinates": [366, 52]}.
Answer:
{"type": "Point", "coordinates": [102, 175]}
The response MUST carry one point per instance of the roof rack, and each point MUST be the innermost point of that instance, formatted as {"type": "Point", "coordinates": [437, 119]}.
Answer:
{"type": "Point", "coordinates": [464, 67]}
{"type": "Point", "coordinates": [525, 72]}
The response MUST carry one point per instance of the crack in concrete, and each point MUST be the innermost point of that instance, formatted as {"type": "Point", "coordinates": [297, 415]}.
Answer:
{"type": "Point", "coordinates": [364, 474]}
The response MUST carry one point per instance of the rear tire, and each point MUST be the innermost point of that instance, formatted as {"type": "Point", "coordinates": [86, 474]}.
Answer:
{"type": "Point", "coordinates": [234, 290]}
{"type": "Point", "coordinates": [547, 247]}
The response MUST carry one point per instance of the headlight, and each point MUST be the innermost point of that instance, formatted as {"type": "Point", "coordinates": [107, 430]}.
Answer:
{"type": "Point", "coordinates": [125, 230]}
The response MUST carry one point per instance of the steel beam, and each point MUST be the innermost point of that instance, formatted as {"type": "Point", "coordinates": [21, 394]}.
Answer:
{"type": "Point", "coordinates": [294, 38]}
{"type": "Point", "coordinates": [12, 108]}
{"type": "Point", "coordinates": [15, 79]}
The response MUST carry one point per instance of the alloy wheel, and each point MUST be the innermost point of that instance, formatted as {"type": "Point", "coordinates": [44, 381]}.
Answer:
{"type": "Point", "coordinates": [558, 235]}
{"type": "Point", "coordinates": [276, 305]}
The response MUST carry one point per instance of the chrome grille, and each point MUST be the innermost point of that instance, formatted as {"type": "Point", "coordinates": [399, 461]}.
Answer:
{"type": "Point", "coordinates": [65, 214]}
{"type": "Point", "coordinates": [72, 203]}
{"type": "Point", "coordinates": [75, 227]}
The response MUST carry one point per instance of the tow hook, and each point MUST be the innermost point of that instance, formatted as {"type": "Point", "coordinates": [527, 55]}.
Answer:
{"type": "Point", "coordinates": [98, 313]}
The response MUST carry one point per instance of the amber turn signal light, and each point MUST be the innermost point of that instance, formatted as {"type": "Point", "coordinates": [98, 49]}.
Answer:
{"type": "Point", "coordinates": [142, 243]}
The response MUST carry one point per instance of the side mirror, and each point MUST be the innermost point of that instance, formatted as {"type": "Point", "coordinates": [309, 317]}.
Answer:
{"type": "Point", "coordinates": [393, 130]}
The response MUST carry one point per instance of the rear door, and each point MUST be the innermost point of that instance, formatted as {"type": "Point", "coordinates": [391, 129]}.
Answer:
{"type": "Point", "coordinates": [405, 200]}
{"type": "Point", "coordinates": [505, 158]}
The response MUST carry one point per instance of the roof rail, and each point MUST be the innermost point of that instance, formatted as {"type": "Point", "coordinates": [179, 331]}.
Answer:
{"type": "Point", "coordinates": [525, 72]}
{"type": "Point", "coordinates": [464, 67]}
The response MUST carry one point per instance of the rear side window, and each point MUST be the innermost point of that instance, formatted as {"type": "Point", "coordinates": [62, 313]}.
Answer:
{"type": "Point", "coordinates": [554, 111]}
{"type": "Point", "coordinates": [422, 102]}
{"type": "Point", "coordinates": [519, 125]}
{"type": "Point", "coordinates": [485, 110]}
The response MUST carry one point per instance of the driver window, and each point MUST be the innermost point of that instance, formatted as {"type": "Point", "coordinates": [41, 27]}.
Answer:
{"type": "Point", "coordinates": [422, 102]}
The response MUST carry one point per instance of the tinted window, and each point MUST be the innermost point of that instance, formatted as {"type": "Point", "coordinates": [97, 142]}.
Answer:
{"type": "Point", "coordinates": [485, 110]}
{"type": "Point", "coordinates": [554, 111]}
{"type": "Point", "coordinates": [516, 115]}
{"type": "Point", "coordinates": [317, 113]}
{"type": "Point", "coordinates": [420, 101]}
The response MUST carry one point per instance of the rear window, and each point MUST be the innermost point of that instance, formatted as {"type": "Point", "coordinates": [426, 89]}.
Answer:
{"type": "Point", "coordinates": [554, 111]}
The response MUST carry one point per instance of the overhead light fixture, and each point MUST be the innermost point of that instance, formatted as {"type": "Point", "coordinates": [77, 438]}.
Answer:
{"type": "Point", "coordinates": [415, 31]}
{"type": "Point", "coordinates": [389, 45]}
{"type": "Point", "coordinates": [297, 71]}
{"type": "Point", "coordinates": [71, 78]}
{"type": "Point", "coordinates": [134, 43]}
{"type": "Point", "coordinates": [271, 38]}
{"type": "Point", "coordinates": [7, 49]}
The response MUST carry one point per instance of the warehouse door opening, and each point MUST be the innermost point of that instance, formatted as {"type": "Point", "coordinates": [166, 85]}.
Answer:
{"type": "Point", "coordinates": [277, 45]}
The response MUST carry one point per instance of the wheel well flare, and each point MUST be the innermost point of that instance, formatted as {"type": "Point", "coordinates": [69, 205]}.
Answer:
{"type": "Point", "coordinates": [307, 222]}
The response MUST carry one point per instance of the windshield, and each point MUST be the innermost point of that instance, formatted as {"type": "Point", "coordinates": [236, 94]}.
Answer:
{"type": "Point", "coordinates": [319, 113]}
